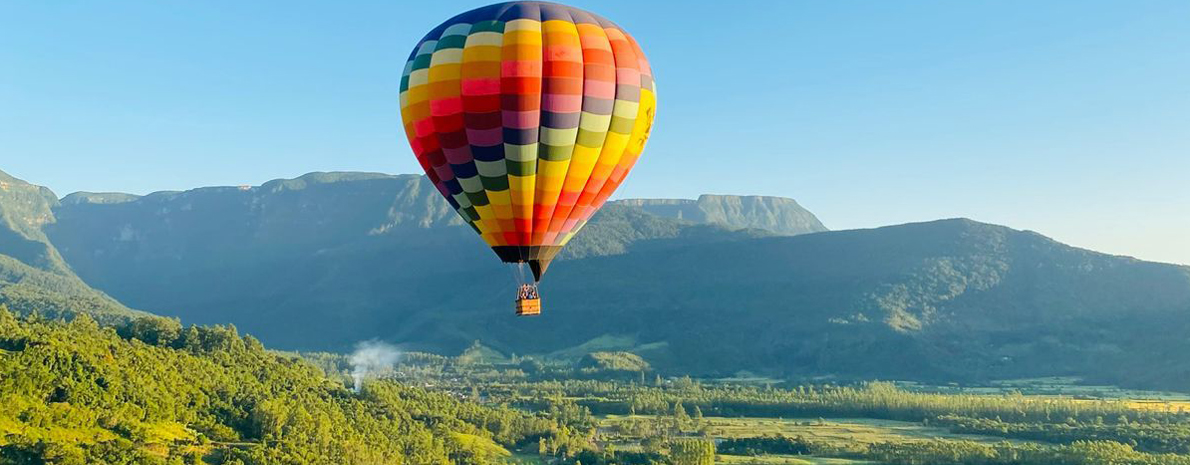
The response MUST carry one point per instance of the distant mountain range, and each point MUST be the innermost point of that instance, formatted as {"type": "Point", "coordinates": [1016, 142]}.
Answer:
{"type": "Point", "coordinates": [712, 286]}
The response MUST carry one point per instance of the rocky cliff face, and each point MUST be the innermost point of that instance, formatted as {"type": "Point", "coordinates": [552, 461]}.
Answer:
{"type": "Point", "coordinates": [777, 214]}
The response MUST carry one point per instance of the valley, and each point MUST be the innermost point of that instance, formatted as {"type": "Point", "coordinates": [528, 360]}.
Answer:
{"type": "Point", "coordinates": [726, 329]}
{"type": "Point", "coordinates": [323, 261]}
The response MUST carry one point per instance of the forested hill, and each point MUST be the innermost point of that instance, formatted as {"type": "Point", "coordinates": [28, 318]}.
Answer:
{"type": "Point", "coordinates": [329, 259]}
{"type": "Point", "coordinates": [32, 272]}
{"type": "Point", "coordinates": [154, 393]}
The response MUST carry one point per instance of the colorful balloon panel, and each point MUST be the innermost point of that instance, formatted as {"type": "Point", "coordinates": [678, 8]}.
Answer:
{"type": "Point", "coordinates": [527, 116]}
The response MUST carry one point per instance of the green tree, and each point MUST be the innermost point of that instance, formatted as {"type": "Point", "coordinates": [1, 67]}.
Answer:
{"type": "Point", "coordinates": [681, 419]}
{"type": "Point", "coordinates": [687, 451]}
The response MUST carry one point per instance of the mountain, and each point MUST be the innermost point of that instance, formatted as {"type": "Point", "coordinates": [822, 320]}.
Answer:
{"type": "Point", "coordinates": [779, 215]}
{"type": "Point", "coordinates": [32, 271]}
{"type": "Point", "coordinates": [329, 259]}
{"type": "Point", "coordinates": [317, 244]}
{"type": "Point", "coordinates": [951, 300]}
{"type": "Point", "coordinates": [24, 210]}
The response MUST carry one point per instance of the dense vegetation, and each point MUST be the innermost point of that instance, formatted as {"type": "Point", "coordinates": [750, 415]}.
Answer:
{"type": "Point", "coordinates": [153, 392]}
{"type": "Point", "coordinates": [614, 361]}
{"type": "Point", "coordinates": [640, 422]}
{"type": "Point", "coordinates": [25, 289]}
{"type": "Point", "coordinates": [765, 445]}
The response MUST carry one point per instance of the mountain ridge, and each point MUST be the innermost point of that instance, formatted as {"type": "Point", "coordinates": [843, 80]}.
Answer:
{"type": "Point", "coordinates": [777, 214]}
{"type": "Point", "coordinates": [325, 260]}
{"type": "Point", "coordinates": [33, 273]}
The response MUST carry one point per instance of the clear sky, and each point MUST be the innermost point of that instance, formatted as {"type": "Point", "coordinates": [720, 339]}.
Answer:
{"type": "Point", "coordinates": [1070, 118]}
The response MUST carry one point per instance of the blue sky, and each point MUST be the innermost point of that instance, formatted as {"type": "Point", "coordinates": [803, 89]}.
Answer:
{"type": "Point", "coordinates": [1070, 118]}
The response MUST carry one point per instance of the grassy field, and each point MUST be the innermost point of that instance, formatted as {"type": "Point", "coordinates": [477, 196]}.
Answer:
{"type": "Point", "coordinates": [835, 437]}
{"type": "Point", "coordinates": [837, 432]}
{"type": "Point", "coordinates": [834, 431]}
{"type": "Point", "coordinates": [1159, 405]}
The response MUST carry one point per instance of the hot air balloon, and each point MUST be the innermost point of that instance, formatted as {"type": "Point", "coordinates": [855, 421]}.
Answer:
{"type": "Point", "coordinates": [527, 116]}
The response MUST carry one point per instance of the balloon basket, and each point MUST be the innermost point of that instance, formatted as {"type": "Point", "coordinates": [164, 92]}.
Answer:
{"type": "Point", "coordinates": [528, 307]}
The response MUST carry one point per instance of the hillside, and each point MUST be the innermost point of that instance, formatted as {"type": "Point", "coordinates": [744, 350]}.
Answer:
{"type": "Point", "coordinates": [24, 210]}
{"type": "Point", "coordinates": [74, 393]}
{"type": "Point", "coordinates": [33, 274]}
{"type": "Point", "coordinates": [329, 259]}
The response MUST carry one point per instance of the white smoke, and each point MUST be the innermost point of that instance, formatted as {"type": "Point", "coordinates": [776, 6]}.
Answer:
{"type": "Point", "coordinates": [370, 357]}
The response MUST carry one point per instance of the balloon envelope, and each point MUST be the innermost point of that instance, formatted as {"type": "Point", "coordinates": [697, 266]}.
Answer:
{"type": "Point", "coordinates": [527, 116]}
